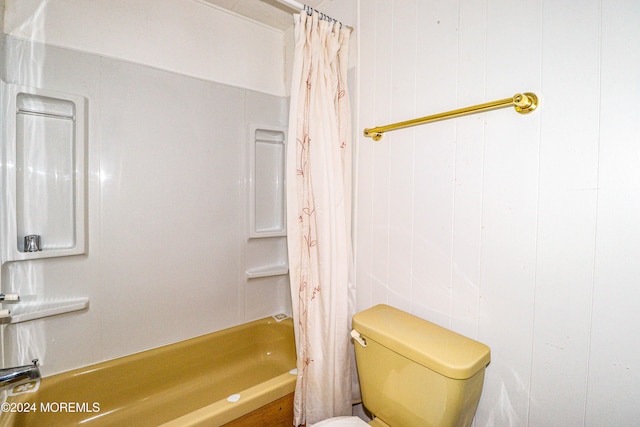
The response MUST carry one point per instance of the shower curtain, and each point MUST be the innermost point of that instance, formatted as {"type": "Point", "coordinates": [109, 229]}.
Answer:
{"type": "Point", "coordinates": [319, 155]}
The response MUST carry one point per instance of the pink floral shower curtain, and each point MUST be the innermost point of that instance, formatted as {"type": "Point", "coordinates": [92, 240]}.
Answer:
{"type": "Point", "coordinates": [319, 218]}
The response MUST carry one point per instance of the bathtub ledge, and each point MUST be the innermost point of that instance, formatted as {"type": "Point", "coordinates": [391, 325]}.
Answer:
{"type": "Point", "coordinates": [252, 398]}
{"type": "Point", "coordinates": [37, 309]}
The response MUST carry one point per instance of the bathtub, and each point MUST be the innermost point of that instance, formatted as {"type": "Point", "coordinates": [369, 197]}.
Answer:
{"type": "Point", "coordinates": [205, 381]}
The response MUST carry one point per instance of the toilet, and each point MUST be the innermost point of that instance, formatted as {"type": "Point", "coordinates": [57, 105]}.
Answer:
{"type": "Point", "coordinates": [413, 372]}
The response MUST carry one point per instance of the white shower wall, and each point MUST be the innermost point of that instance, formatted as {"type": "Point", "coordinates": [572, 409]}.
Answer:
{"type": "Point", "coordinates": [167, 175]}
{"type": "Point", "coordinates": [189, 37]}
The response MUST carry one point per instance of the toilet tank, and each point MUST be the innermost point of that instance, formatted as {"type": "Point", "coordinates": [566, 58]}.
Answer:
{"type": "Point", "coordinates": [415, 373]}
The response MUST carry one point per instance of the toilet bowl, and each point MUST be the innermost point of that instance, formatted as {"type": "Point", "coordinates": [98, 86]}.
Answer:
{"type": "Point", "coordinates": [413, 372]}
{"type": "Point", "coordinates": [341, 422]}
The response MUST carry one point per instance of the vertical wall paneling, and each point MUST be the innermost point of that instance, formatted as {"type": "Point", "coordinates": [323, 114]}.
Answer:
{"type": "Point", "coordinates": [613, 380]}
{"type": "Point", "coordinates": [566, 212]}
{"type": "Point", "coordinates": [524, 230]}
{"type": "Point", "coordinates": [436, 69]}
{"type": "Point", "coordinates": [365, 151]}
{"type": "Point", "coordinates": [469, 148]}
{"type": "Point", "coordinates": [382, 90]}
{"type": "Point", "coordinates": [509, 222]}
{"type": "Point", "coordinates": [403, 60]}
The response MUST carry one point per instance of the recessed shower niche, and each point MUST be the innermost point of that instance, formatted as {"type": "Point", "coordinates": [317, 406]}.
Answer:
{"type": "Point", "coordinates": [267, 181]}
{"type": "Point", "coordinates": [267, 246]}
{"type": "Point", "coordinates": [44, 174]}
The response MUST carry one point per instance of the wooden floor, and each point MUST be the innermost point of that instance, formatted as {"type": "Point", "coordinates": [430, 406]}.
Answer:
{"type": "Point", "coordinates": [274, 414]}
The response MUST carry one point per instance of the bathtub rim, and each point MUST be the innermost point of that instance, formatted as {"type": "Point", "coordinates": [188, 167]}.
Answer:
{"type": "Point", "coordinates": [220, 412]}
{"type": "Point", "coordinates": [251, 399]}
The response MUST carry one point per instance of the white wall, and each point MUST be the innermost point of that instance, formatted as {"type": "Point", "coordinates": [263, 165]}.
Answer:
{"type": "Point", "coordinates": [520, 231]}
{"type": "Point", "coordinates": [167, 191]}
{"type": "Point", "coordinates": [190, 37]}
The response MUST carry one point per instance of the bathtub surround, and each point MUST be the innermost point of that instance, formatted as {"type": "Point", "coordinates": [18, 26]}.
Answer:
{"type": "Point", "coordinates": [319, 218]}
{"type": "Point", "coordinates": [167, 191]}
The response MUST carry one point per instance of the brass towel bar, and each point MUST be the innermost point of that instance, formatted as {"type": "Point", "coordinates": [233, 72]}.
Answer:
{"type": "Point", "coordinates": [522, 102]}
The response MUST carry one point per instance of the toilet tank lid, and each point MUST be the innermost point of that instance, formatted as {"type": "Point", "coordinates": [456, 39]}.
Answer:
{"type": "Point", "coordinates": [439, 349]}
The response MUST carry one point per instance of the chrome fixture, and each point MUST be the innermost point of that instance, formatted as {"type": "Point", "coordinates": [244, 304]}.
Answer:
{"type": "Point", "coordinates": [32, 243]}
{"type": "Point", "coordinates": [11, 375]}
{"type": "Point", "coordinates": [9, 297]}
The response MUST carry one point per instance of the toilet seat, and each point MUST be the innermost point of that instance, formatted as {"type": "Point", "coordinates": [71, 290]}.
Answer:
{"type": "Point", "coordinates": [341, 422]}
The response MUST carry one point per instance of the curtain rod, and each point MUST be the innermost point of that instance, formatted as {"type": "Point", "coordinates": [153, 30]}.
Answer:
{"type": "Point", "coordinates": [523, 103]}
{"type": "Point", "coordinates": [300, 7]}
{"type": "Point", "coordinates": [292, 3]}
